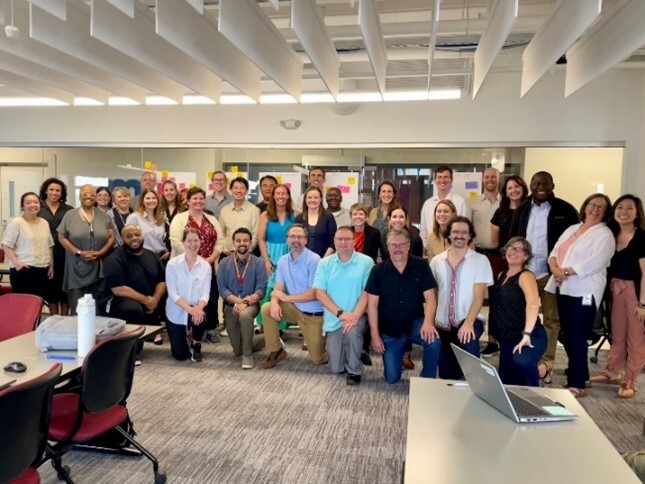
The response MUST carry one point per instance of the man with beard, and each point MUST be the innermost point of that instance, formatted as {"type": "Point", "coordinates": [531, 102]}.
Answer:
{"type": "Point", "coordinates": [242, 282]}
{"type": "Point", "coordinates": [396, 292]}
{"type": "Point", "coordinates": [294, 300]}
{"type": "Point", "coordinates": [340, 282]}
{"type": "Point", "coordinates": [541, 220]}
{"type": "Point", "coordinates": [134, 281]}
{"type": "Point", "coordinates": [462, 276]}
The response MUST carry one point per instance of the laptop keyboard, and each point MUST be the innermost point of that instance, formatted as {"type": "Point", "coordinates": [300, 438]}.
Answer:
{"type": "Point", "coordinates": [524, 408]}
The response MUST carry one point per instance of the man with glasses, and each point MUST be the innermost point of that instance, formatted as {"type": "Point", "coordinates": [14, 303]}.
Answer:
{"type": "Point", "coordinates": [401, 308]}
{"type": "Point", "coordinates": [340, 282]}
{"type": "Point", "coordinates": [462, 276]}
{"type": "Point", "coordinates": [294, 300]}
{"type": "Point", "coordinates": [220, 197]}
{"type": "Point", "coordinates": [149, 182]}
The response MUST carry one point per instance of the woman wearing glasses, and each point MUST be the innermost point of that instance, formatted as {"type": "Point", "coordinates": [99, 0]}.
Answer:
{"type": "Point", "coordinates": [515, 306]}
{"type": "Point", "coordinates": [87, 236]}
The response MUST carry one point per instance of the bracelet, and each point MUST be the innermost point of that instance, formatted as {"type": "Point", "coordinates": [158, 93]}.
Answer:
{"type": "Point", "coordinates": [526, 333]}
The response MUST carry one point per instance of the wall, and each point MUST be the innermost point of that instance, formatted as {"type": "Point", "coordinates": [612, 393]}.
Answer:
{"type": "Point", "coordinates": [607, 112]}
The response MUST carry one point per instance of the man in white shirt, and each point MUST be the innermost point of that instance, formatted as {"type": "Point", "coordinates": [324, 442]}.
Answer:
{"type": "Point", "coordinates": [462, 276]}
{"type": "Point", "coordinates": [316, 179]}
{"type": "Point", "coordinates": [443, 191]}
{"type": "Point", "coordinates": [483, 208]}
{"type": "Point", "coordinates": [334, 198]}
{"type": "Point", "coordinates": [220, 196]}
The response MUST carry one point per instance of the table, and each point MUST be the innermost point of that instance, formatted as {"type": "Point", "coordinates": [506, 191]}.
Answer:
{"type": "Point", "coordinates": [454, 437]}
{"type": "Point", "coordinates": [23, 348]}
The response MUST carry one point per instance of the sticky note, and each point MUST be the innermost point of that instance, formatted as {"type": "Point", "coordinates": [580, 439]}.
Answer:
{"type": "Point", "coordinates": [182, 186]}
{"type": "Point", "coordinates": [343, 188]}
{"type": "Point", "coordinates": [472, 185]}
{"type": "Point", "coordinates": [211, 186]}
{"type": "Point", "coordinates": [192, 185]}
{"type": "Point", "coordinates": [288, 185]}
{"type": "Point", "coordinates": [165, 173]}
{"type": "Point", "coordinates": [147, 164]}
{"type": "Point", "coordinates": [234, 169]}
{"type": "Point", "coordinates": [279, 178]}
{"type": "Point", "coordinates": [209, 175]}
{"type": "Point", "coordinates": [351, 180]}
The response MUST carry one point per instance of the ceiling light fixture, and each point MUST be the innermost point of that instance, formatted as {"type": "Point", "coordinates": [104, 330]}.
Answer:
{"type": "Point", "coordinates": [11, 30]}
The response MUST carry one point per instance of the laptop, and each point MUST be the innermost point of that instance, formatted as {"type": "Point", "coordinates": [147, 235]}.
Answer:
{"type": "Point", "coordinates": [520, 404]}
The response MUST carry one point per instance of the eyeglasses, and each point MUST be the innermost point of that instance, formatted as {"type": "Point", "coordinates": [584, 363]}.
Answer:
{"type": "Point", "coordinates": [515, 249]}
{"type": "Point", "coordinates": [595, 206]}
{"type": "Point", "coordinates": [297, 237]}
{"type": "Point", "coordinates": [343, 239]}
{"type": "Point", "coordinates": [219, 180]}
{"type": "Point", "coordinates": [402, 245]}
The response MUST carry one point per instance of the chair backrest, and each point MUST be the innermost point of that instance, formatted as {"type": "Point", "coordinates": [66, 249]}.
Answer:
{"type": "Point", "coordinates": [19, 314]}
{"type": "Point", "coordinates": [108, 371]}
{"type": "Point", "coordinates": [24, 420]}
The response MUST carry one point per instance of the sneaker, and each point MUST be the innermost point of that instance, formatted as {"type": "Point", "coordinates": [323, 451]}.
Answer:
{"type": "Point", "coordinates": [137, 362]}
{"type": "Point", "coordinates": [273, 359]}
{"type": "Point", "coordinates": [366, 359]}
{"type": "Point", "coordinates": [491, 350]}
{"type": "Point", "coordinates": [196, 352]}
{"type": "Point", "coordinates": [304, 346]}
{"type": "Point", "coordinates": [224, 333]}
{"type": "Point", "coordinates": [247, 362]}
{"type": "Point", "coordinates": [353, 379]}
{"type": "Point", "coordinates": [211, 338]}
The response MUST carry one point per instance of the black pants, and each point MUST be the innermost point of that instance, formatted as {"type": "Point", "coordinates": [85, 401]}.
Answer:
{"type": "Point", "coordinates": [30, 280]}
{"type": "Point", "coordinates": [212, 315]}
{"type": "Point", "coordinates": [133, 312]}
{"type": "Point", "coordinates": [178, 334]}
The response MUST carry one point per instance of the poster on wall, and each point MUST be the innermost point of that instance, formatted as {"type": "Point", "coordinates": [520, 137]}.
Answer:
{"type": "Point", "coordinates": [347, 183]}
{"type": "Point", "coordinates": [467, 184]}
{"type": "Point", "coordinates": [292, 179]}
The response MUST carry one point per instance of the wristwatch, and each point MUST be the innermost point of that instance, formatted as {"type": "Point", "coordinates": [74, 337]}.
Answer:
{"type": "Point", "coordinates": [78, 253]}
{"type": "Point", "coordinates": [340, 311]}
{"type": "Point", "coordinates": [526, 333]}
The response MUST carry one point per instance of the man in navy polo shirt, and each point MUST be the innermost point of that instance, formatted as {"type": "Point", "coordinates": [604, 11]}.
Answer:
{"type": "Point", "coordinates": [401, 308]}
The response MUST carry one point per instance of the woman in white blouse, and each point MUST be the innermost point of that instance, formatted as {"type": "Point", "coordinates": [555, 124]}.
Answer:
{"type": "Point", "coordinates": [188, 279]}
{"type": "Point", "coordinates": [28, 244]}
{"type": "Point", "coordinates": [150, 219]}
{"type": "Point", "coordinates": [578, 264]}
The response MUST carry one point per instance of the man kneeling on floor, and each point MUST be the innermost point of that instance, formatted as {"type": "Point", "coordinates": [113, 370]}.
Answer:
{"type": "Point", "coordinates": [242, 282]}
{"type": "Point", "coordinates": [340, 282]}
{"type": "Point", "coordinates": [294, 300]}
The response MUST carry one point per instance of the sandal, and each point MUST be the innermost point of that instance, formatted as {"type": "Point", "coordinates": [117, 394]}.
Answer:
{"type": "Point", "coordinates": [548, 370]}
{"type": "Point", "coordinates": [158, 340]}
{"type": "Point", "coordinates": [627, 390]}
{"type": "Point", "coordinates": [578, 392]}
{"type": "Point", "coordinates": [606, 378]}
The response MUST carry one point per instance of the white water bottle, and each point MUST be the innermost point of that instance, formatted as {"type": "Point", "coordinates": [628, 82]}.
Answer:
{"type": "Point", "coordinates": [86, 310]}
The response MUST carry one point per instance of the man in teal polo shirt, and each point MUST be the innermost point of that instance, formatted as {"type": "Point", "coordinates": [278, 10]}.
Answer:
{"type": "Point", "coordinates": [340, 282]}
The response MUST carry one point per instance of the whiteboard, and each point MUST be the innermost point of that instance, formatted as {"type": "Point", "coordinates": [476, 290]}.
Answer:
{"type": "Point", "coordinates": [467, 184]}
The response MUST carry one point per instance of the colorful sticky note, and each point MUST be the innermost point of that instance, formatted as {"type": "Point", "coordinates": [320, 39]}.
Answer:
{"type": "Point", "coordinates": [192, 185]}
{"type": "Point", "coordinates": [351, 180]}
{"type": "Point", "coordinates": [472, 185]}
{"type": "Point", "coordinates": [209, 175]}
{"type": "Point", "coordinates": [211, 186]}
{"type": "Point", "coordinates": [147, 164]}
{"type": "Point", "coordinates": [343, 188]}
{"type": "Point", "coordinates": [279, 178]}
{"type": "Point", "coordinates": [472, 194]}
{"type": "Point", "coordinates": [234, 169]}
{"type": "Point", "coordinates": [182, 185]}
{"type": "Point", "coordinates": [288, 185]}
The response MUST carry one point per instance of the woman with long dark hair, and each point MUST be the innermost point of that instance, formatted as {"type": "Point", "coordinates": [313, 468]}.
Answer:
{"type": "Point", "coordinates": [514, 193]}
{"type": "Point", "coordinates": [53, 207]}
{"type": "Point", "coordinates": [320, 224]}
{"type": "Point", "coordinates": [378, 217]}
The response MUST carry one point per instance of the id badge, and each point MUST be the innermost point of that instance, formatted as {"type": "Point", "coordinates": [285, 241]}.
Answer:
{"type": "Point", "coordinates": [587, 299]}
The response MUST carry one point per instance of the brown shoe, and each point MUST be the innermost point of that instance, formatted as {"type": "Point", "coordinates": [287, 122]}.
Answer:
{"type": "Point", "coordinates": [273, 359]}
{"type": "Point", "coordinates": [407, 362]}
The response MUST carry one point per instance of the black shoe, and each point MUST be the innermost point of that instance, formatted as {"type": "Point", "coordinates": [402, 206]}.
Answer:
{"type": "Point", "coordinates": [366, 359]}
{"type": "Point", "coordinates": [304, 346]}
{"type": "Point", "coordinates": [491, 350]}
{"type": "Point", "coordinates": [353, 379]}
{"type": "Point", "coordinates": [196, 352]}
{"type": "Point", "coordinates": [211, 338]}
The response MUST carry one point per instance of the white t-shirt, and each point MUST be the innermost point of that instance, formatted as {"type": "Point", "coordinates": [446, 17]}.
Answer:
{"type": "Point", "coordinates": [30, 241]}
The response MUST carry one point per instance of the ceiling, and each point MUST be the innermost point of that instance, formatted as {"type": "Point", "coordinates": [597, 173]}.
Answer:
{"type": "Point", "coordinates": [169, 49]}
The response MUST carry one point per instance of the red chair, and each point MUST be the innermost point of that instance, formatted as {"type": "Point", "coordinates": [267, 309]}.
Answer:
{"type": "Point", "coordinates": [106, 381]}
{"type": "Point", "coordinates": [19, 314]}
{"type": "Point", "coordinates": [24, 419]}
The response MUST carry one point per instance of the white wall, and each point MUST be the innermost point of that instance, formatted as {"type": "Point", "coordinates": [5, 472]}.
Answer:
{"type": "Point", "coordinates": [609, 111]}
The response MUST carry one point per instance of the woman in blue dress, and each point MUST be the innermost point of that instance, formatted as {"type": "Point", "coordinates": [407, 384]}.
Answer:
{"type": "Point", "coordinates": [272, 234]}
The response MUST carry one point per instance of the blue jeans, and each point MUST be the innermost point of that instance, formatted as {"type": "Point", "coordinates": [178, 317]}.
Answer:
{"type": "Point", "coordinates": [395, 348]}
{"type": "Point", "coordinates": [576, 321]}
{"type": "Point", "coordinates": [522, 368]}
{"type": "Point", "coordinates": [448, 366]}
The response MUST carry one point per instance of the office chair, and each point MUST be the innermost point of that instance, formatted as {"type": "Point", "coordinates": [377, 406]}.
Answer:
{"type": "Point", "coordinates": [24, 418]}
{"type": "Point", "coordinates": [19, 314]}
{"type": "Point", "coordinates": [106, 382]}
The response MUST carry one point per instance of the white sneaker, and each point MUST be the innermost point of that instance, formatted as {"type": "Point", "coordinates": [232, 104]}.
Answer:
{"type": "Point", "coordinates": [247, 362]}
{"type": "Point", "coordinates": [224, 333]}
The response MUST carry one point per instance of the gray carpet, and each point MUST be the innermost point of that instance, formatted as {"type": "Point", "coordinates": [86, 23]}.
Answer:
{"type": "Point", "coordinates": [213, 422]}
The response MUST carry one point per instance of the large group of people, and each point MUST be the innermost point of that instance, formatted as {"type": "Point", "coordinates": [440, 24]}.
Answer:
{"type": "Point", "coordinates": [351, 277]}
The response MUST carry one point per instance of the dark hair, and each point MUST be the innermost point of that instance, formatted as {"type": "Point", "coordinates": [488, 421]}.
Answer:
{"type": "Point", "coordinates": [106, 190]}
{"type": "Point", "coordinates": [463, 220]}
{"type": "Point", "coordinates": [505, 202]}
{"type": "Point", "coordinates": [163, 203]}
{"type": "Point", "coordinates": [583, 207]}
{"type": "Point", "coordinates": [305, 211]}
{"type": "Point", "coordinates": [51, 181]}
{"type": "Point", "coordinates": [190, 230]}
{"type": "Point", "coordinates": [25, 195]}
{"type": "Point", "coordinates": [319, 168]}
{"type": "Point", "coordinates": [239, 179]}
{"type": "Point", "coordinates": [268, 177]}
{"type": "Point", "coordinates": [194, 191]}
{"type": "Point", "coordinates": [639, 221]}
{"type": "Point", "coordinates": [345, 227]}
{"type": "Point", "coordinates": [441, 169]}
{"type": "Point", "coordinates": [391, 184]}
{"type": "Point", "coordinates": [543, 173]}
{"type": "Point", "coordinates": [397, 207]}
{"type": "Point", "coordinates": [528, 249]}
{"type": "Point", "coordinates": [242, 230]}
{"type": "Point", "coordinates": [272, 211]}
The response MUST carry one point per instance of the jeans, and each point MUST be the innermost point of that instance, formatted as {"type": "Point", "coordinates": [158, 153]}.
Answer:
{"type": "Point", "coordinates": [522, 368]}
{"type": "Point", "coordinates": [178, 336]}
{"type": "Point", "coordinates": [576, 321]}
{"type": "Point", "coordinates": [395, 348]}
{"type": "Point", "coordinates": [448, 366]}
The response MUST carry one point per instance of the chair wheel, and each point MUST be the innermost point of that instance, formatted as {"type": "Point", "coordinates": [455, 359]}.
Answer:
{"type": "Point", "coordinates": [160, 477]}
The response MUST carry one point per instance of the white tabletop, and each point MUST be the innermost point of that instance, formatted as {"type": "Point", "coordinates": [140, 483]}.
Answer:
{"type": "Point", "coordinates": [454, 437]}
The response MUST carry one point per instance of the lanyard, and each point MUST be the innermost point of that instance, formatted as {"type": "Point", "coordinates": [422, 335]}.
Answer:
{"type": "Point", "coordinates": [240, 277]}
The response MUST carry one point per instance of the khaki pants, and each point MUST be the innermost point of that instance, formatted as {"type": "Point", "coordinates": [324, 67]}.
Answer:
{"type": "Point", "coordinates": [311, 327]}
{"type": "Point", "coordinates": [240, 328]}
{"type": "Point", "coordinates": [551, 321]}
